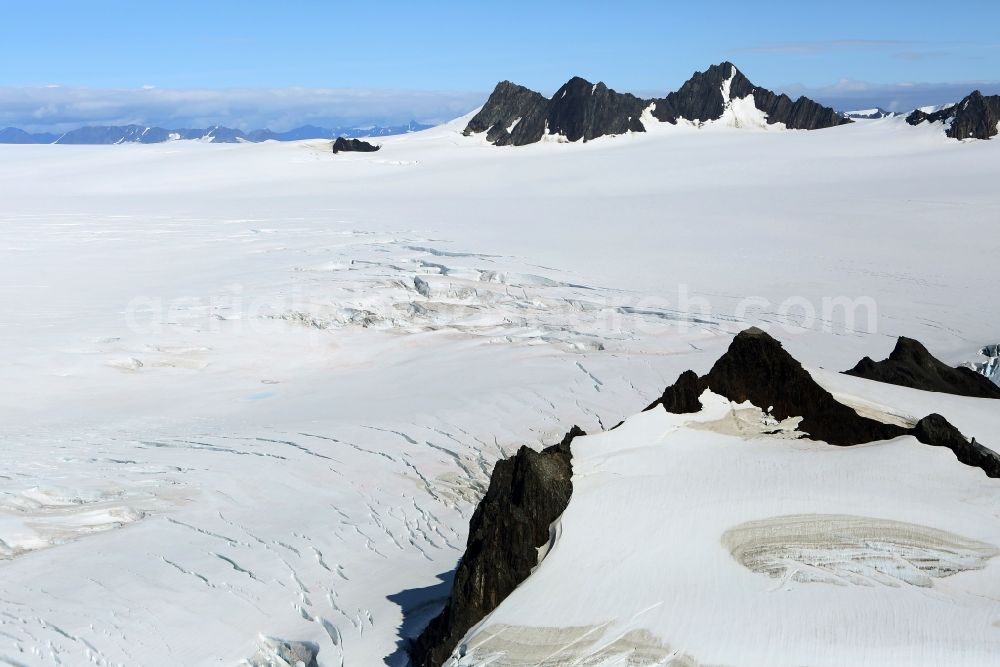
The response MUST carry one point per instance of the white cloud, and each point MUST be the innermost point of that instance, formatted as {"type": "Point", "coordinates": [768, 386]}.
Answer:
{"type": "Point", "coordinates": [60, 108]}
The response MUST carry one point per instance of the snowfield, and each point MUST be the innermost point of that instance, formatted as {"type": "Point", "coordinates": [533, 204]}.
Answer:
{"type": "Point", "coordinates": [253, 392]}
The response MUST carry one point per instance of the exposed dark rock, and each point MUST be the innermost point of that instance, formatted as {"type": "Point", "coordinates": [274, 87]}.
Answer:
{"type": "Point", "coordinates": [975, 117]}
{"type": "Point", "coordinates": [758, 369]}
{"type": "Point", "coordinates": [582, 110]}
{"type": "Point", "coordinates": [517, 116]}
{"type": "Point", "coordinates": [802, 114]}
{"type": "Point", "coordinates": [682, 396]}
{"type": "Point", "coordinates": [527, 493]}
{"type": "Point", "coordinates": [911, 365]}
{"type": "Point", "coordinates": [508, 104]}
{"type": "Point", "coordinates": [702, 98]}
{"type": "Point", "coordinates": [530, 490]}
{"type": "Point", "coordinates": [936, 430]}
{"type": "Point", "coordinates": [344, 145]}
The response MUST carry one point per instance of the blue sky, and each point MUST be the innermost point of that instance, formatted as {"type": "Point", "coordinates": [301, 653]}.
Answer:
{"type": "Point", "coordinates": [463, 48]}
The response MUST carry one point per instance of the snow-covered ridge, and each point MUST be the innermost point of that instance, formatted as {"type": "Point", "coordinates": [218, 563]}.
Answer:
{"type": "Point", "coordinates": [725, 526]}
{"type": "Point", "coordinates": [835, 548]}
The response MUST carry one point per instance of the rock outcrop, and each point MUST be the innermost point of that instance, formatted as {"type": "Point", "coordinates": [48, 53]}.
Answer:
{"type": "Point", "coordinates": [975, 117]}
{"type": "Point", "coordinates": [530, 490]}
{"type": "Point", "coordinates": [682, 397]}
{"type": "Point", "coordinates": [705, 95]}
{"type": "Point", "coordinates": [758, 369]}
{"type": "Point", "coordinates": [935, 430]}
{"type": "Point", "coordinates": [580, 110]}
{"type": "Point", "coordinates": [911, 365]}
{"type": "Point", "coordinates": [527, 493]}
{"type": "Point", "coordinates": [516, 116]}
{"type": "Point", "coordinates": [344, 145]}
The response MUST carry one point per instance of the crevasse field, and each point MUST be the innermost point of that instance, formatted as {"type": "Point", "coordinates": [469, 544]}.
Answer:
{"type": "Point", "coordinates": [253, 392]}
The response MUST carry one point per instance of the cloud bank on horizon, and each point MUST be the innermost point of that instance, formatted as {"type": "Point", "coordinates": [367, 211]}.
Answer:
{"type": "Point", "coordinates": [63, 108]}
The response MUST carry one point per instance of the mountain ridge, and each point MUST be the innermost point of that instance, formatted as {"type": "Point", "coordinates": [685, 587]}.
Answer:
{"type": "Point", "coordinates": [145, 134]}
{"type": "Point", "coordinates": [515, 115]}
{"type": "Point", "coordinates": [977, 116]}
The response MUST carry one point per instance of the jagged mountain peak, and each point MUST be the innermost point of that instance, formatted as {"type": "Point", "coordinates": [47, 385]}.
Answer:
{"type": "Point", "coordinates": [977, 116]}
{"type": "Point", "coordinates": [515, 115]}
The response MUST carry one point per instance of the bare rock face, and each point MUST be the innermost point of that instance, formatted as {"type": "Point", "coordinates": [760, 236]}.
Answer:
{"type": "Point", "coordinates": [758, 369]}
{"type": "Point", "coordinates": [527, 493]}
{"type": "Point", "coordinates": [937, 431]}
{"type": "Point", "coordinates": [580, 110]}
{"type": "Point", "coordinates": [514, 115]}
{"type": "Point", "coordinates": [344, 145]}
{"type": "Point", "coordinates": [975, 117]}
{"type": "Point", "coordinates": [682, 397]}
{"type": "Point", "coordinates": [702, 98]}
{"type": "Point", "coordinates": [911, 365]}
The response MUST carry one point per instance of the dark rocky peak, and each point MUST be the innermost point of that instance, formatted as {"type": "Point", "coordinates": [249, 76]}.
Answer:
{"type": "Point", "coordinates": [527, 493]}
{"type": "Point", "coordinates": [344, 145]}
{"type": "Point", "coordinates": [975, 117]}
{"type": "Point", "coordinates": [513, 115]}
{"type": "Point", "coordinates": [758, 369]}
{"type": "Point", "coordinates": [911, 365]}
{"type": "Point", "coordinates": [705, 95]}
{"type": "Point", "coordinates": [701, 97]}
{"type": "Point", "coordinates": [583, 110]}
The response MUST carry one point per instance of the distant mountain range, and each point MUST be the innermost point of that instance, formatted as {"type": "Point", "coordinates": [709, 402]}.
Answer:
{"type": "Point", "coordinates": [515, 115]}
{"type": "Point", "coordinates": [123, 134]}
{"type": "Point", "coordinates": [870, 114]}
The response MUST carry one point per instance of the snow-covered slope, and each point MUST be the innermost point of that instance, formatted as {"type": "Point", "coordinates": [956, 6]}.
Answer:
{"type": "Point", "coordinates": [715, 539]}
{"type": "Point", "coordinates": [232, 411]}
